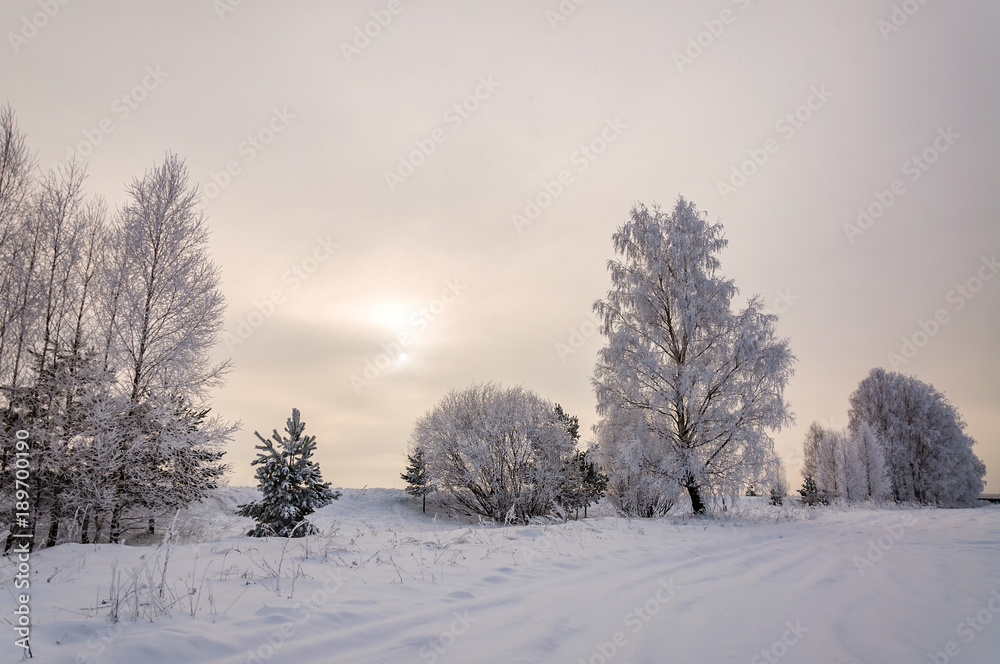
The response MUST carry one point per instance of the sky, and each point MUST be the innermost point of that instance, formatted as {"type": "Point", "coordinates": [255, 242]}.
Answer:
{"type": "Point", "coordinates": [405, 197]}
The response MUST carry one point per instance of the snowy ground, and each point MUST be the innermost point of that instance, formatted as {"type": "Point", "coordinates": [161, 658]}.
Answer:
{"type": "Point", "coordinates": [384, 583]}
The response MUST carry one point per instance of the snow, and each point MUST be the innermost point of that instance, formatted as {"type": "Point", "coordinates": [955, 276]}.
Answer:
{"type": "Point", "coordinates": [858, 584]}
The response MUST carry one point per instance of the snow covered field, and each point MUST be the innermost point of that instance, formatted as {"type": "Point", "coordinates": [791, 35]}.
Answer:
{"type": "Point", "coordinates": [384, 583]}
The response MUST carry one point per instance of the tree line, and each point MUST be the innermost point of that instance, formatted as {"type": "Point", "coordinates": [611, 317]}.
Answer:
{"type": "Point", "coordinates": [108, 318]}
{"type": "Point", "coordinates": [107, 321]}
{"type": "Point", "coordinates": [904, 442]}
{"type": "Point", "coordinates": [689, 391]}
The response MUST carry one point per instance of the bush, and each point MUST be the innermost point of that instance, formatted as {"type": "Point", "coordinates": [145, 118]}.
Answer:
{"type": "Point", "coordinates": [499, 452]}
{"type": "Point", "coordinates": [640, 483]}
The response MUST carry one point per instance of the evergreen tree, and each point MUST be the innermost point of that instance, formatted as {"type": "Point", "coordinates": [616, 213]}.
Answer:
{"type": "Point", "coordinates": [290, 482]}
{"type": "Point", "coordinates": [594, 482]}
{"type": "Point", "coordinates": [416, 477]}
{"type": "Point", "coordinates": [572, 424]}
{"type": "Point", "coordinates": [583, 482]}
{"type": "Point", "coordinates": [811, 494]}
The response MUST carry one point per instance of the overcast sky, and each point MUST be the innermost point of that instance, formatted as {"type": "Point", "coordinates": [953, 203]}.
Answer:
{"type": "Point", "coordinates": [361, 188]}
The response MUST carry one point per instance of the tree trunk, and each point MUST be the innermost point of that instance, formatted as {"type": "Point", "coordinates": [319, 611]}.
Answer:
{"type": "Point", "coordinates": [84, 527]}
{"type": "Point", "coordinates": [115, 535]}
{"type": "Point", "coordinates": [98, 526]}
{"type": "Point", "coordinates": [152, 526]}
{"type": "Point", "coordinates": [424, 507]}
{"type": "Point", "coordinates": [697, 506]}
{"type": "Point", "coordinates": [55, 514]}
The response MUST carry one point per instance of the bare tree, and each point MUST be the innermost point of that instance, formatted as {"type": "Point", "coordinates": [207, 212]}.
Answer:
{"type": "Point", "coordinates": [19, 247]}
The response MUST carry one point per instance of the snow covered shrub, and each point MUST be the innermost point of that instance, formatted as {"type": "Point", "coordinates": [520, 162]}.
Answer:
{"type": "Point", "coordinates": [926, 451]}
{"type": "Point", "coordinates": [640, 483]}
{"type": "Point", "coordinates": [501, 452]}
{"type": "Point", "coordinates": [706, 382]}
{"type": "Point", "coordinates": [290, 482]}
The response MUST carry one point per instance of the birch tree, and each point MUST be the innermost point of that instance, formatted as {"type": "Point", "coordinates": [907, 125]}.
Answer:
{"type": "Point", "coordinates": [706, 380]}
{"type": "Point", "coordinates": [167, 314]}
{"type": "Point", "coordinates": [105, 341]}
{"type": "Point", "coordinates": [927, 453]}
{"type": "Point", "coordinates": [16, 188]}
{"type": "Point", "coordinates": [170, 307]}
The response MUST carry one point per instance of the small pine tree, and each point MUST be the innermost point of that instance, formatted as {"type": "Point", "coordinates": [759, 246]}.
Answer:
{"type": "Point", "coordinates": [810, 492]}
{"type": "Point", "coordinates": [572, 424]}
{"type": "Point", "coordinates": [416, 477]}
{"type": "Point", "coordinates": [777, 485]}
{"type": "Point", "coordinates": [584, 483]}
{"type": "Point", "coordinates": [595, 483]}
{"type": "Point", "coordinates": [290, 482]}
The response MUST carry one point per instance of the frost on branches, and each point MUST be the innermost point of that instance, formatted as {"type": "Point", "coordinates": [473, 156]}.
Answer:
{"type": "Point", "coordinates": [849, 466]}
{"type": "Point", "coordinates": [927, 453]}
{"type": "Point", "coordinates": [692, 385]}
{"type": "Point", "coordinates": [626, 450]}
{"type": "Point", "coordinates": [905, 442]}
{"type": "Point", "coordinates": [107, 323]}
{"type": "Point", "coordinates": [502, 452]}
{"type": "Point", "coordinates": [290, 482]}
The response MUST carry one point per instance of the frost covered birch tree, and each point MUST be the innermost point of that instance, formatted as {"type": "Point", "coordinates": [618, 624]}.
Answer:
{"type": "Point", "coordinates": [106, 331]}
{"type": "Point", "coordinates": [927, 453]}
{"type": "Point", "coordinates": [165, 312]}
{"type": "Point", "coordinates": [169, 304]}
{"type": "Point", "coordinates": [18, 254]}
{"type": "Point", "coordinates": [849, 465]}
{"type": "Point", "coordinates": [706, 381]}
{"type": "Point", "coordinates": [869, 453]}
